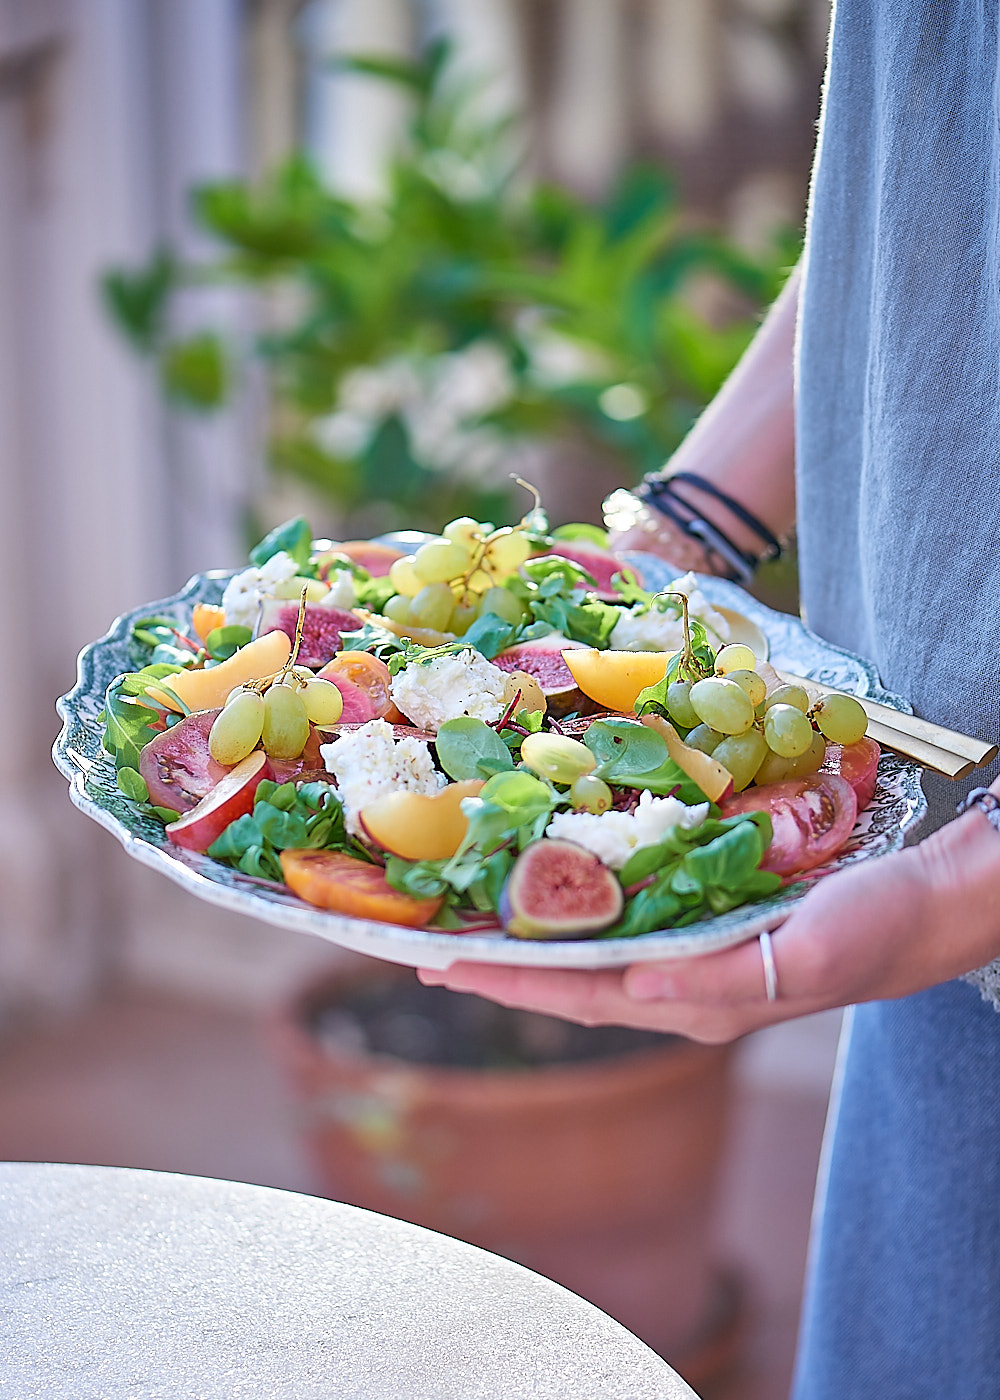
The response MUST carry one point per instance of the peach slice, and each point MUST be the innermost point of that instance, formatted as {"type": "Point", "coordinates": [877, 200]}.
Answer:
{"type": "Point", "coordinates": [207, 690]}
{"type": "Point", "coordinates": [715, 781]}
{"type": "Point", "coordinates": [420, 826]}
{"type": "Point", "coordinates": [232, 797]}
{"type": "Point", "coordinates": [615, 678]}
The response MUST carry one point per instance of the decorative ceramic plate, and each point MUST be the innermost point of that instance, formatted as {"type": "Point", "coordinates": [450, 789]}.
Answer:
{"type": "Point", "coordinates": [897, 807]}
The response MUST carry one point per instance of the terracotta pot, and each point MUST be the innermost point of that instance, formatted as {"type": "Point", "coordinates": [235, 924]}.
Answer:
{"type": "Point", "coordinates": [599, 1174]}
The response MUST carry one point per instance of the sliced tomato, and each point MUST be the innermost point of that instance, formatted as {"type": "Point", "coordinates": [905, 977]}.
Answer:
{"type": "Point", "coordinates": [363, 681]}
{"type": "Point", "coordinates": [177, 766]}
{"type": "Point", "coordinates": [811, 819]}
{"type": "Point", "coordinates": [333, 880]}
{"type": "Point", "coordinates": [858, 763]}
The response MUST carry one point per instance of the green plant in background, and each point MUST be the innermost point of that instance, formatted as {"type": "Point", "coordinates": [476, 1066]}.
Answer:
{"type": "Point", "coordinates": [418, 347]}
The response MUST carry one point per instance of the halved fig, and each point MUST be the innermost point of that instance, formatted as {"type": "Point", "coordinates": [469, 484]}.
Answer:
{"type": "Point", "coordinates": [558, 890]}
{"type": "Point", "coordinates": [543, 659]}
{"type": "Point", "coordinates": [321, 631]}
{"type": "Point", "coordinates": [231, 797]}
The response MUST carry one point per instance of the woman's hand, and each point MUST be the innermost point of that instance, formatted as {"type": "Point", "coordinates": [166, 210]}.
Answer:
{"type": "Point", "coordinates": [877, 930]}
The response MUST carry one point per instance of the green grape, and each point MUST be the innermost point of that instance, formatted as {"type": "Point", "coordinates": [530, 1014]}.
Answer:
{"type": "Point", "coordinates": [404, 577]}
{"type": "Point", "coordinates": [704, 738]}
{"type": "Point", "coordinates": [787, 731]}
{"type": "Point", "coordinates": [556, 757]}
{"type": "Point", "coordinates": [679, 704]}
{"type": "Point", "coordinates": [841, 719]}
{"type": "Point", "coordinates": [750, 682]}
{"type": "Point", "coordinates": [286, 724]}
{"type": "Point", "coordinates": [734, 658]}
{"type": "Point", "coordinates": [437, 561]}
{"type": "Point", "coordinates": [590, 794]}
{"type": "Point", "coordinates": [464, 531]}
{"type": "Point", "coordinates": [506, 551]}
{"type": "Point", "coordinates": [397, 609]}
{"type": "Point", "coordinates": [323, 701]}
{"type": "Point", "coordinates": [237, 727]}
{"type": "Point", "coordinates": [742, 754]}
{"type": "Point", "coordinates": [463, 615]}
{"type": "Point", "coordinates": [291, 589]}
{"type": "Point", "coordinates": [479, 581]}
{"type": "Point", "coordinates": [788, 695]}
{"type": "Point", "coordinates": [432, 607]}
{"type": "Point", "coordinates": [504, 604]}
{"type": "Point", "coordinates": [777, 770]}
{"type": "Point", "coordinates": [723, 704]}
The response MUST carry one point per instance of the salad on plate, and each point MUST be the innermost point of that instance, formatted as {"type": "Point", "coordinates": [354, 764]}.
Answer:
{"type": "Point", "coordinates": [502, 733]}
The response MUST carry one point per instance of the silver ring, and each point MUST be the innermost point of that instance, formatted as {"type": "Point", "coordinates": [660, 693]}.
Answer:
{"type": "Point", "coordinates": [770, 971]}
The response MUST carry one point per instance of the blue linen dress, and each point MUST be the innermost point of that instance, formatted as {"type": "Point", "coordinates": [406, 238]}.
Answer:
{"type": "Point", "coordinates": [898, 480]}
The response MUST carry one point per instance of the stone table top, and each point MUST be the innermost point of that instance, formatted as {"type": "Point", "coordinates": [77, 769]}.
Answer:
{"type": "Point", "coordinates": [135, 1285]}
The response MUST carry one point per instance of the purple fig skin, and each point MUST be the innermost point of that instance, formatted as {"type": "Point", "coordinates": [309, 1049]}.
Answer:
{"type": "Point", "coordinates": [320, 634]}
{"type": "Point", "coordinates": [558, 890]}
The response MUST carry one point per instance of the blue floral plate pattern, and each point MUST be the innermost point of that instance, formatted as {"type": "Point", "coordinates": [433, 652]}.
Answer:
{"type": "Point", "coordinates": [897, 808]}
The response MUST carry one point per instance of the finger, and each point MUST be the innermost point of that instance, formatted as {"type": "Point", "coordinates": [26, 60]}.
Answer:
{"type": "Point", "coordinates": [727, 978]}
{"type": "Point", "coordinates": [591, 998]}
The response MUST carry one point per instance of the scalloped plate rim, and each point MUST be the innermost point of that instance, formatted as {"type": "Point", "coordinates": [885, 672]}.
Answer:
{"type": "Point", "coordinates": [421, 948]}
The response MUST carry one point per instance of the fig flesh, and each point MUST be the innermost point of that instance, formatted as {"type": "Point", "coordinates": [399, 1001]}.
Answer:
{"type": "Point", "coordinates": [321, 632]}
{"type": "Point", "coordinates": [543, 659]}
{"type": "Point", "coordinates": [558, 890]}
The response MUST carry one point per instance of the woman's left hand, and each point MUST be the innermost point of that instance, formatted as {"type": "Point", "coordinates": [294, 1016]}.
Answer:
{"type": "Point", "coordinates": [877, 930]}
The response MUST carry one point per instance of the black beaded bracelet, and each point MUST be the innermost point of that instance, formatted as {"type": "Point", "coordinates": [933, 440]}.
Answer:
{"type": "Point", "coordinates": [660, 493]}
{"type": "Point", "coordinates": [986, 801]}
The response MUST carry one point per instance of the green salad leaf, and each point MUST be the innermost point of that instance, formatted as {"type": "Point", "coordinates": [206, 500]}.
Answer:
{"type": "Point", "coordinates": [631, 755]}
{"type": "Point", "coordinates": [284, 817]}
{"type": "Point", "coordinates": [469, 748]}
{"type": "Point", "coordinates": [707, 869]}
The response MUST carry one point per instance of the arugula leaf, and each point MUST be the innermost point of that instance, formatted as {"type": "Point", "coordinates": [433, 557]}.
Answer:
{"type": "Point", "coordinates": [372, 636]}
{"type": "Point", "coordinates": [127, 719]}
{"type": "Point", "coordinates": [294, 537]}
{"type": "Point", "coordinates": [469, 748]}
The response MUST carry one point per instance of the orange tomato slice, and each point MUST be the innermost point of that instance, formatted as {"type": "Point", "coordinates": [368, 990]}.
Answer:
{"type": "Point", "coordinates": [346, 885]}
{"type": "Point", "coordinates": [368, 673]}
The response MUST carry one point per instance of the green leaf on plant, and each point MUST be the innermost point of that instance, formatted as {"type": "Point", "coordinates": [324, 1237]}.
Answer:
{"type": "Point", "coordinates": [195, 371]}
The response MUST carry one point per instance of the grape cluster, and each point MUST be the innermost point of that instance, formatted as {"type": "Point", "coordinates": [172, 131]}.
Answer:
{"type": "Point", "coordinates": [276, 713]}
{"type": "Point", "coordinates": [459, 575]}
{"type": "Point", "coordinates": [759, 735]}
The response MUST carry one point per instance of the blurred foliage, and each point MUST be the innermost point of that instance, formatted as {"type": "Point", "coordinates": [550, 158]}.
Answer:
{"type": "Point", "coordinates": [416, 345]}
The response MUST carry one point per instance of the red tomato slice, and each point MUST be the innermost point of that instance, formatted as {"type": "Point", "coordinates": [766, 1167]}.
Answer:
{"type": "Point", "coordinates": [363, 681]}
{"type": "Point", "coordinates": [811, 819]}
{"type": "Point", "coordinates": [858, 763]}
{"type": "Point", "coordinates": [177, 766]}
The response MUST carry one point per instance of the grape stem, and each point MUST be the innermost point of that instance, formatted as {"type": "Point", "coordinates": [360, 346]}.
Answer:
{"type": "Point", "coordinates": [688, 663]}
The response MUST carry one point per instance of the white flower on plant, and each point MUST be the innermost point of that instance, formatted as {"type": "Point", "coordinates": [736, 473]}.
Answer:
{"type": "Point", "coordinates": [614, 836]}
{"type": "Point", "coordinates": [245, 591]}
{"type": "Point", "coordinates": [343, 435]}
{"type": "Point", "coordinates": [554, 359]}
